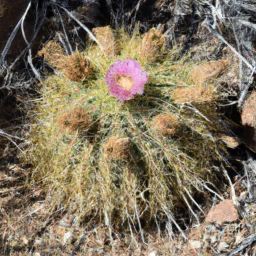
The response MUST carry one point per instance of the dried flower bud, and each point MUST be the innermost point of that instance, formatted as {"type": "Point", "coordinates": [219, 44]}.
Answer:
{"type": "Point", "coordinates": [151, 44]}
{"type": "Point", "coordinates": [117, 148]}
{"type": "Point", "coordinates": [106, 38]}
{"type": "Point", "coordinates": [166, 124]}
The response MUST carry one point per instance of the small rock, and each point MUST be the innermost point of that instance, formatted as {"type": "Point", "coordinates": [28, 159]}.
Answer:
{"type": "Point", "coordinates": [222, 246]}
{"type": "Point", "coordinates": [67, 221]}
{"type": "Point", "coordinates": [239, 239]}
{"type": "Point", "coordinates": [75, 221]}
{"type": "Point", "coordinates": [25, 240]}
{"type": "Point", "coordinates": [213, 238]}
{"type": "Point", "coordinates": [64, 224]}
{"type": "Point", "coordinates": [249, 122]}
{"type": "Point", "coordinates": [231, 142]}
{"type": "Point", "coordinates": [40, 208]}
{"type": "Point", "coordinates": [243, 195]}
{"type": "Point", "coordinates": [193, 244]}
{"type": "Point", "coordinates": [38, 242]}
{"type": "Point", "coordinates": [252, 192]}
{"type": "Point", "coordinates": [223, 212]}
{"type": "Point", "coordinates": [67, 237]}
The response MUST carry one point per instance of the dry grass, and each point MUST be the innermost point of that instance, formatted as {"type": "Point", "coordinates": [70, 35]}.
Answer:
{"type": "Point", "coordinates": [124, 173]}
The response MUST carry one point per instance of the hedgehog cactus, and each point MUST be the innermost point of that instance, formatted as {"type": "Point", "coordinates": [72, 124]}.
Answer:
{"type": "Point", "coordinates": [143, 160]}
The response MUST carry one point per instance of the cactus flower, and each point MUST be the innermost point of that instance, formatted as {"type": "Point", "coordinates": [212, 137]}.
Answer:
{"type": "Point", "coordinates": [125, 79]}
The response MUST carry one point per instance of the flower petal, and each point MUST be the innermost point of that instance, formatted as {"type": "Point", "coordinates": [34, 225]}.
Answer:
{"type": "Point", "coordinates": [128, 68]}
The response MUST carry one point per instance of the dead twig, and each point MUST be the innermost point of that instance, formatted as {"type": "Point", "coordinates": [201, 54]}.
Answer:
{"type": "Point", "coordinates": [135, 14]}
{"type": "Point", "coordinates": [10, 137]}
{"type": "Point", "coordinates": [231, 47]}
{"type": "Point", "coordinates": [246, 242]}
{"type": "Point", "coordinates": [82, 26]}
{"type": "Point", "coordinates": [13, 34]}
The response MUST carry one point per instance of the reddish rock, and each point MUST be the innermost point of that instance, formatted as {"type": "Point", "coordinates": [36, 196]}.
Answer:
{"type": "Point", "coordinates": [231, 142]}
{"type": "Point", "coordinates": [223, 212]}
{"type": "Point", "coordinates": [249, 122]}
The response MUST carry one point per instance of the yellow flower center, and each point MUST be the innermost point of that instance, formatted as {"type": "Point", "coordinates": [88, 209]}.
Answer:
{"type": "Point", "coordinates": [126, 82]}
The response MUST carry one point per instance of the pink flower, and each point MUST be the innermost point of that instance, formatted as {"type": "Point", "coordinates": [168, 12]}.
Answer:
{"type": "Point", "coordinates": [125, 79]}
